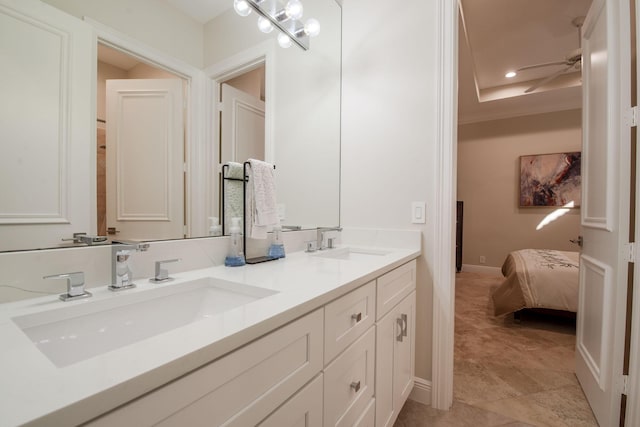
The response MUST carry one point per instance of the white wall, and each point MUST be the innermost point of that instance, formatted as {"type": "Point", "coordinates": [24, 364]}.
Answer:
{"type": "Point", "coordinates": [154, 23]}
{"type": "Point", "coordinates": [489, 183]}
{"type": "Point", "coordinates": [388, 130]}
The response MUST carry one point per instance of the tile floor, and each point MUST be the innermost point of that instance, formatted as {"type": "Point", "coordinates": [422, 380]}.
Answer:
{"type": "Point", "coordinates": [506, 374]}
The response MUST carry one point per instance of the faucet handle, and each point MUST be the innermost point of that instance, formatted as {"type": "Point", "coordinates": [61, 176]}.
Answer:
{"type": "Point", "coordinates": [75, 285]}
{"type": "Point", "coordinates": [162, 274]}
{"type": "Point", "coordinates": [86, 239]}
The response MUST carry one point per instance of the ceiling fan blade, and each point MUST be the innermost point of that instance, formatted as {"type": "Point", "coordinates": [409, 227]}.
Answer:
{"type": "Point", "coordinates": [545, 64]}
{"type": "Point", "coordinates": [548, 79]}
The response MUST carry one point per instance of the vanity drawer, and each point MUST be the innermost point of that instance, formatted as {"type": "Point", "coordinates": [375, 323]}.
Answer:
{"type": "Point", "coordinates": [368, 417]}
{"type": "Point", "coordinates": [394, 286]}
{"type": "Point", "coordinates": [304, 409]}
{"type": "Point", "coordinates": [239, 389]}
{"type": "Point", "coordinates": [346, 318]}
{"type": "Point", "coordinates": [349, 383]}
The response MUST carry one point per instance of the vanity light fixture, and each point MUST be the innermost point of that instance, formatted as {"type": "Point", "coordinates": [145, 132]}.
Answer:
{"type": "Point", "coordinates": [287, 18]}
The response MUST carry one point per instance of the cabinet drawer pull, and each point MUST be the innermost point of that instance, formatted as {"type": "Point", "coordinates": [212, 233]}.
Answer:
{"type": "Point", "coordinates": [356, 386]}
{"type": "Point", "coordinates": [357, 317]}
{"type": "Point", "coordinates": [406, 325]}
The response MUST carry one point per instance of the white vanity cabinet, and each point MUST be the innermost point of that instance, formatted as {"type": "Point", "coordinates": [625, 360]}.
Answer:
{"type": "Point", "coordinates": [349, 373]}
{"type": "Point", "coordinates": [395, 342]}
{"type": "Point", "coordinates": [347, 364]}
{"type": "Point", "coordinates": [240, 389]}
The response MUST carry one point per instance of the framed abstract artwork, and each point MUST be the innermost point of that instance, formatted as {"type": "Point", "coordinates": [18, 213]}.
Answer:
{"type": "Point", "coordinates": [550, 180]}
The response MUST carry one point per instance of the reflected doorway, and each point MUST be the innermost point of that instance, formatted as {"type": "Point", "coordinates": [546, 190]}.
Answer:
{"type": "Point", "coordinates": [241, 107]}
{"type": "Point", "coordinates": [140, 149]}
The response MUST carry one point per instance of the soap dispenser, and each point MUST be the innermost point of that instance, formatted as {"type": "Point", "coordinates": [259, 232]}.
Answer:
{"type": "Point", "coordinates": [235, 258]}
{"type": "Point", "coordinates": [276, 250]}
{"type": "Point", "coordinates": [215, 229]}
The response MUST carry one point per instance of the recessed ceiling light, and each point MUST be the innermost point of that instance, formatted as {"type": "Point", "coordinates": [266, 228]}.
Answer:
{"type": "Point", "coordinates": [510, 74]}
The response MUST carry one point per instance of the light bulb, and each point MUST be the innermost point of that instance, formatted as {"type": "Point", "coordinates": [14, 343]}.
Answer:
{"type": "Point", "coordinates": [312, 27]}
{"type": "Point", "coordinates": [293, 9]}
{"type": "Point", "coordinates": [242, 7]}
{"type": "Point", "coordinates": [510, 74]}
{"type": "Point", "coordinates": [264, 25]}
{"type": "Point", "coordinates": [284, 41]}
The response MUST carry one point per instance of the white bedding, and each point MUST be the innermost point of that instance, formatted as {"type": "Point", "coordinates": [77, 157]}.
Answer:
{"type": "Point", "coordinates": [538, 278]}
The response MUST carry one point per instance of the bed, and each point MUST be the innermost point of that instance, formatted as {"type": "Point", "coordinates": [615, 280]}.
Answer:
{"type": "Point", "coordinates": [538, 279]}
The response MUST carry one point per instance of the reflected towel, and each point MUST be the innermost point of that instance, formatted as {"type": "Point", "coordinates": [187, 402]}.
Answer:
{"type": "Point", "coordinates": [233, 192]}
{"type": "Point", "coordinates": [262, 210]}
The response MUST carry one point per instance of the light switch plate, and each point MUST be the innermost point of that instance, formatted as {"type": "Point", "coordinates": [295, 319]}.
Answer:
{"type": "Point", "coordinates": [418, 212]}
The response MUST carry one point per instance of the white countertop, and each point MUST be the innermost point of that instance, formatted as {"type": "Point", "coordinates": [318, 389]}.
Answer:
{"type": "Point", "coordinates": [34, 391]}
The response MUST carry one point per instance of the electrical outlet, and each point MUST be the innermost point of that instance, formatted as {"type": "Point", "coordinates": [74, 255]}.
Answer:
{"type": "Point", "coordinates": [483, 259]}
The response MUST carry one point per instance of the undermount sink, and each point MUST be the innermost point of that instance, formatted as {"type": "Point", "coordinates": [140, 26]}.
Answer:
{"type": "Point", "coordinates": [351, 253]}
{"type": "Point", "coordinates": [72, 334]}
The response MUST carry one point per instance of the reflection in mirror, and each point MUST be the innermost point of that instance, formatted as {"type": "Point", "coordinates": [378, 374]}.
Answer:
{"type": "Point", "coordinates": [242, 136]}
{"type": "Point", "coordinates": [49, 182]}
{"type": "Point", "coordinates": [302, 117]}
{"type": "Point", "coordinates": [140, 152]}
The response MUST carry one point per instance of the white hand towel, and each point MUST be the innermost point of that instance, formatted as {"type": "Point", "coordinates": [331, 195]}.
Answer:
{"type": "Point", "coordinates": [261, 199]}
{"type": "Point", "coordinates": [233, 192]}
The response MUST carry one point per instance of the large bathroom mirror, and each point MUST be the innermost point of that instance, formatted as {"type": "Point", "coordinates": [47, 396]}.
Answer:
{"type": "Point", "coordinates": [302, 130]}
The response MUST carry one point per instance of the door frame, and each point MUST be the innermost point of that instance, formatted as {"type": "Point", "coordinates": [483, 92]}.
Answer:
{"type": "Point", "coordinates": [443, 276]}
{"type": "Point", "coordinates": [197, 190]}
{"type": "Point", "coordinates": [218, 73]}
{"type": "Point", "coordinates": [444, 222]}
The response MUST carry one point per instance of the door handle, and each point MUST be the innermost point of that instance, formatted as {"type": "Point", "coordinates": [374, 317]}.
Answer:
{"type": "Point", "coordinates": [112, 230]}
{"type": "Point", "coordinates": [577, 241]}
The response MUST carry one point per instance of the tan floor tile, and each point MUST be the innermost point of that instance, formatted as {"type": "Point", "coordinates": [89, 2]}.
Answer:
{"type": "Point", "coordinates": [461, 415]}
{"type": "Point", "coordinates": [507, 374]}
{"type": "Point", "coordinates": [556, 408]}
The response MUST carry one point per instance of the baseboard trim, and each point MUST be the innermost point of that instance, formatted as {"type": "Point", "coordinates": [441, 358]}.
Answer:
{"type": "Point", "coordinates": [469, 268]}
{"type": "Point", "coordinates": [421, 392]}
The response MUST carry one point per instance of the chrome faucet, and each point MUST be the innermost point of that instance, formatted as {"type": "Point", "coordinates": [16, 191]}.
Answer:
{"type": "Point", "coordinates": [162, 274]}
{"type": "Point", "coordinates": [86, 239]}
{"type": "Point", "coordinates": [75, 285]}
{"type": "Point", "coordinates": [121, 274]}
{"type": "Point", "coordinates": [328, 234]}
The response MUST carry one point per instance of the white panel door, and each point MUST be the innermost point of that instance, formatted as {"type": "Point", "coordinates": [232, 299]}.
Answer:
{"type": "Point", "coordinates": [47, 136]}
{"type": "Point", "coordinates": [605, 211]}
{"type": "Point", "coordinates": [145, 158]}
{"type": "Point", "coordinates": [242, 126]}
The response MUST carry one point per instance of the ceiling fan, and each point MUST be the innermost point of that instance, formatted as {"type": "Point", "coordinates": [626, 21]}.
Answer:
{"type": "Point", "coordinates": [572, 60]}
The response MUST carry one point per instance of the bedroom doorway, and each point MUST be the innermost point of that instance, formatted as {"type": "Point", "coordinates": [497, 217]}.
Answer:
{"type": "Point", "coordinates": [607, 275]}
{"type": "Point", "coordinates": [490, 143]}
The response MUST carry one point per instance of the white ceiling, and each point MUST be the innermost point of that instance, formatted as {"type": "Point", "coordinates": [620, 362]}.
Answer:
{"type": "Point", "coordinates": [497, 36]}
{"type": "Point", "coordinates": [202, 10]}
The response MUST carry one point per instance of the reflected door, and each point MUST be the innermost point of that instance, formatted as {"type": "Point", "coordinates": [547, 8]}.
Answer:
{"type": "Point", "coordinates": [145, 159]}
{"type": "Point", "coordinates": [45, 126]}
{"type": "Point", "coordinates": [242, 131]}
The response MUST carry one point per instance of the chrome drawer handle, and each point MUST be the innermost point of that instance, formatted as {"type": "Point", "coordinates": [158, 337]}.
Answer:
{"type": "Point", "coordinates": [406, 325]}
{"type": "Point", "coordinates": [356, 386]}
{"type": "Point", "coordinates": [357, 317]}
